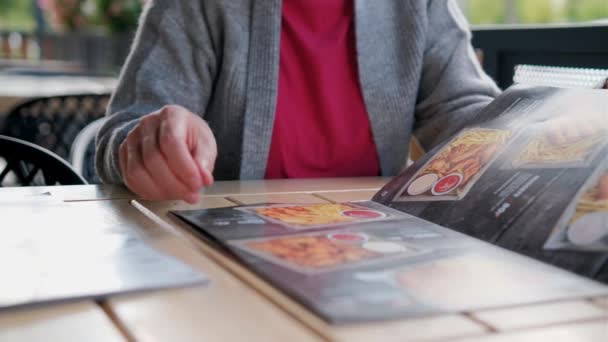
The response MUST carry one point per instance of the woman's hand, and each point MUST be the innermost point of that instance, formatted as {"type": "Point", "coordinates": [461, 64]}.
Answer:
{"type": "Point", "coordinates": [170, 154]}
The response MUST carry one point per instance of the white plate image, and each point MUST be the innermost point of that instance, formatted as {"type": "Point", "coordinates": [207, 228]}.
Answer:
{"type": "Point", "coordinates": [385, 247]}
{"type": "Point", "coordinates": [422, 184]}
{"type": "Point", "coordinates": [589, 229]}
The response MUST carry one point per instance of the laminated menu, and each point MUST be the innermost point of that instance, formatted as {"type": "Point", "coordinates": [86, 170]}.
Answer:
{"type": "Point", "coordinates": [511, 210]}
{"type": "Point", "coordinates": [543, 191]}
{"type": "Point", "coordinates": [55, 251]}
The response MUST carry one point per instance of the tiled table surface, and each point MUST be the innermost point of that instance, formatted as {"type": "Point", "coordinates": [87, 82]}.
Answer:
{"type": "Point", "coordinates": [236, 306]}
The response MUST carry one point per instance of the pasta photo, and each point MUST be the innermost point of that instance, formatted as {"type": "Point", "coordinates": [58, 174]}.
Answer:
{"type": "Point", "coordinates": [565, 140]}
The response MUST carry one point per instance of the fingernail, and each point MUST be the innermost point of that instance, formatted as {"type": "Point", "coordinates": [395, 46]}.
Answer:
{"type": "Point", "coordinates": [207, 177]}
{"type": "Point", "coordinates": [205, 164]}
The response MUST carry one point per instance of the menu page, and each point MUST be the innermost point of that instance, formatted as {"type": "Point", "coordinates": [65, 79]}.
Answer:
{"type": "Point", "coordinates": [530, 176]}
{"type": "Point", "coordinates": [54, 251]}
{"type": "Point", "coordinates": [362, 261]}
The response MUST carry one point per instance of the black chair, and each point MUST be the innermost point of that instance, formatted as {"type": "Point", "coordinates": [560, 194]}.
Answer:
{"type": "Point", "coordinates": [25, 164]}
{"type": "Point", "coordinates": [54, 122]}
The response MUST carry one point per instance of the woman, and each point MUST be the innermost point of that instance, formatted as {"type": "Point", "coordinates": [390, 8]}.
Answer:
{"type": "Point", "coordinates": [257, 89]}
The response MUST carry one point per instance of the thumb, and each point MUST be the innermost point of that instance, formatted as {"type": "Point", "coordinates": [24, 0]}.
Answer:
{"type": "Point", "coordinates": [205, 163]}
{"type": "Point", "coordinates": [204, 149]}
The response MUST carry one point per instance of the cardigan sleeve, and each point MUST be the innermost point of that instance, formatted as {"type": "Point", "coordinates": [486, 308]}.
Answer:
{"type": "Point", "coordinates": [172, 61]}
{"type": "Point", "coordinates": [453, 87]}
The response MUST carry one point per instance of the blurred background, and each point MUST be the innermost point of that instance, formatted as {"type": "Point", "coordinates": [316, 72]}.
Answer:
{"type": "Point", "coordinates": [95, 34]}
{"type": "Point", "coordinates": [492, 12]}
{"type": "Point", "coordinates": [59, 59]}
{"type": "Point", "coordinates": [88, 35]}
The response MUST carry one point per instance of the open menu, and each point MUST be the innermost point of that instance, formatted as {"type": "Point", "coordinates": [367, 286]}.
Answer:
{"type": "Point", "coordinates": [60, 252]}
{"type": "Point", "coordinates": [531, 176]}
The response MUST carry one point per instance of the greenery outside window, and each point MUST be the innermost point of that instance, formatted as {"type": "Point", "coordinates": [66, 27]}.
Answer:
{"type": "Point", "coordinates": [492, 12]}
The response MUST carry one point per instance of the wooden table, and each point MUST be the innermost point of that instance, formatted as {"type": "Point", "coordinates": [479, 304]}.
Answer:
{"type": "Point", "coordinates": [237, 306]}
{"type": "Point", "coordinates": [16, 88]}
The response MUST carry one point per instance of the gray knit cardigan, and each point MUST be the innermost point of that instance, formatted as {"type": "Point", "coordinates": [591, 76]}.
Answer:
{"type": "Point", "coordinates": [220, 59]}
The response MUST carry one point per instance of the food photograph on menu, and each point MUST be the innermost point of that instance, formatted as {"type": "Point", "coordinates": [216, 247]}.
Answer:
{"type": "Point", "coordinates": [322, 252]}
{"type": "Point", "coordinates": [565, 141]}
{"type": "Point", "coordinates": [584, 225]}
{"type": "Point", "coordinates": [451, 173]}
{"type": "Point", "coordinates": [316, 215]}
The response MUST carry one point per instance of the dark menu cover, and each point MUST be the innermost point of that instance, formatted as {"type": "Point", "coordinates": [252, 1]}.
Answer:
{"type": "Point", "coordinates": [357, 262]}
{"type": "Point", "coordinates": [530, 176]}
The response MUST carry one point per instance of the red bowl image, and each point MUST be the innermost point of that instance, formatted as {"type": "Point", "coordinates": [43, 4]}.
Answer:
{"type": "Point", "coordinates": [354, 238]}
{"type": "Point", "coordinates": [447, 184]}
{"type": "Point", "coordinates": [362, 214]}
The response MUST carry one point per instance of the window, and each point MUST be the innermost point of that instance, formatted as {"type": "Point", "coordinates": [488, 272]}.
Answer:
{"type": "Point", "coordinates": [483, 12]}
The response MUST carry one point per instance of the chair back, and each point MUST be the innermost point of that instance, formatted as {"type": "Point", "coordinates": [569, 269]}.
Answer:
{"type": "Point", "coordinates": [25, 164]}
{"type": "Point", "coordinates": [54, 122]}
{"type": "Point", "coordinates": [82, 155]}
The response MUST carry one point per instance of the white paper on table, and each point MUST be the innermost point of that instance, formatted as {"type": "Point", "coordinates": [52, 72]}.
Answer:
{"type": "Point", "coordinates": [49, 253]}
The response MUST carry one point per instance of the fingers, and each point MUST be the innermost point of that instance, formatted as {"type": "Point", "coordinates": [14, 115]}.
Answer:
{"type": "Point", "coordinates": [205, 160]}
{"type": "Point", "coordinates": [135, 174]}
{"type": "Point", "coordinates": [204, 172]}
{"type": "Point", "coordinates": [157, 166]}
{"type": "Point", "coordinates": [205, 153]}
{"type": "Point", "coordinates": [174, 147]}
{"type": "Point", "coordinates": [169, 155]}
